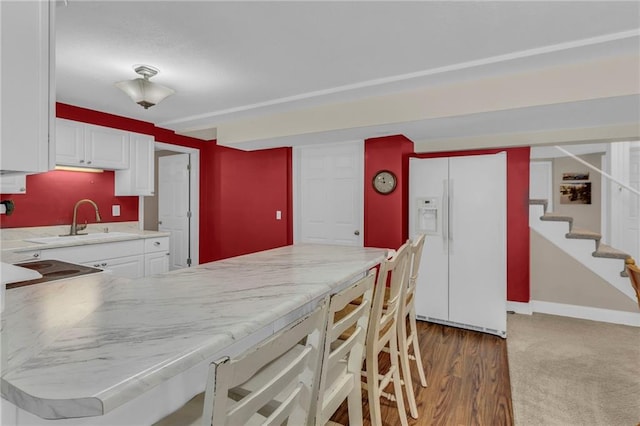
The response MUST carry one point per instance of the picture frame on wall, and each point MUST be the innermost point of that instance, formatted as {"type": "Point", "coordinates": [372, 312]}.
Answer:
{"type": "Point", "coordinates": [575, 193]}
{"type": "Point", "coordinates": [575, 176]}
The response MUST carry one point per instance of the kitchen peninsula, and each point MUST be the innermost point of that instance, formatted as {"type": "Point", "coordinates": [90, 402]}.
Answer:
{"type": "Point", "coordinates": [117, 351]}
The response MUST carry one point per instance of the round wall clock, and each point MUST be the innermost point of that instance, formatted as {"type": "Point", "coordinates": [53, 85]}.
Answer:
{"type": "Point", "coordinates": [384, 182]}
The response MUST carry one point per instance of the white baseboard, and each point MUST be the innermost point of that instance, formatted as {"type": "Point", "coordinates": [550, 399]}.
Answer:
{"type": "Point", "coordinates": [519, 307]}
{"type": "Point", "coordinates": [584, 312]}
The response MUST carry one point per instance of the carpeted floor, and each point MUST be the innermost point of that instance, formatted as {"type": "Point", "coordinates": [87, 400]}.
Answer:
{"type": "Point", "coordinates": [566, 371]}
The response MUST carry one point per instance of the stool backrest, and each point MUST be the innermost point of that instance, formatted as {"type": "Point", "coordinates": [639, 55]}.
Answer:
{"type": "Point", "coordinates": [342, 359]}
{"type": "Point", "coordinates": [296, 377]}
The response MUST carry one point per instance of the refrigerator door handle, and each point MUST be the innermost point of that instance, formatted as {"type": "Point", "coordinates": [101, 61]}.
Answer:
{"type": "Point", "coordinates": [445, 215]}
{"type": "Point", "coordinates": [451, 218]}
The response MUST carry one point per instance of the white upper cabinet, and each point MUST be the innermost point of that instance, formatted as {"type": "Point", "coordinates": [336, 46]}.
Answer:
{"type": "Point", "coordinates": [87, 145]}
{"type": "Point", "coordinates": [69, 142]}
{"type": "Point", "coordinates": [27, 86]}
{"type": "Point", "coordinates": [106, 147]}
{"type": "Point", "coordinates": [138, 179]}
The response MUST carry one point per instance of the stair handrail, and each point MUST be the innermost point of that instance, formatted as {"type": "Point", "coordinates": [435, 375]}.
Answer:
{"type": "Point", "coordinates": [603, 173]}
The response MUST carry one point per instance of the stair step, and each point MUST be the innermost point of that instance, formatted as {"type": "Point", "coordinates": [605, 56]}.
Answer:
{"type": "Point", "coordinates": [555, 217]}
{"type": "Point", "coordinates": [608, 251]}
{"type": "Point", "coordinates": [583, 234]}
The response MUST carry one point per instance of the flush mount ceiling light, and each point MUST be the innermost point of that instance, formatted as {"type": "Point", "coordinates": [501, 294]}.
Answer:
{"type": "Point", "coordinates": [144, 92]}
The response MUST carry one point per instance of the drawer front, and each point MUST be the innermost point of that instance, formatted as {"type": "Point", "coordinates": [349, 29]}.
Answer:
{"type": "Point", "coordinates": [90, 252]}
{"type": "Point", "coordinates": [22, 256]}
{"type": "Point", "coordinates": [126, 267]}
{"type": "Point", "coordinates": [156, 244]}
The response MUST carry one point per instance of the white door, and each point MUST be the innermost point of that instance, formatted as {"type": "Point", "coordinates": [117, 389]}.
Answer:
{"type": "Point", "coordinates": [173, 206]}
{"type": "Point", "coordinates": [329, 194]}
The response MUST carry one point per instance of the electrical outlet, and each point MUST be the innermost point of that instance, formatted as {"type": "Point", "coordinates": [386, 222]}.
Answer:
{"type": "Point", "coordinates": [115, 210]}
{"type": "Point", "coordinates": [278, 215]}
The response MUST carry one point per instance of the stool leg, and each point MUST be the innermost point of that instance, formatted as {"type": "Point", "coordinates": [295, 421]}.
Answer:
{"type": "Point", "coordinates": [397, 386]}
{"type": "Point", "coordinates": [416, 346]}
{"type": "Point", "coordinates": [403, 347]}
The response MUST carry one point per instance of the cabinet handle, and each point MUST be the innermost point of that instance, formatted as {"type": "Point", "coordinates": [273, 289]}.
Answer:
{"type": "Point", "coordinates": [104, 264]}
{"type": "Point", "coordinates": [81, 161]}
{"type": "Point", "coordinates": [157, 243]}
{"type": "Point", "coordinates": [36, 255]}
{"type": "Point", "coordinates": [89, 162]}
{"type": "Point", "coordinates": [96, 265]}
{"type": "Point", "coordinates": [23, 189]}
{"type": "Point", "coordinates": [167, 254]}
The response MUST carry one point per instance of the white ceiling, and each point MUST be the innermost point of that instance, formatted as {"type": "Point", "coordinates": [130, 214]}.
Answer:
{"type": "Point", "coordinates": [231, 60]}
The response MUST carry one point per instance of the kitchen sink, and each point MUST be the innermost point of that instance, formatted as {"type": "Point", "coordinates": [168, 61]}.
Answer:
{"type": "Point", "coordinates": [80, 238]}
{"type": "Point", "coordinates": [52, 270]}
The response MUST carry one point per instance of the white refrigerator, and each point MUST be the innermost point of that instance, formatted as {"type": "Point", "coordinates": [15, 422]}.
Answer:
{"type": "Point", "coordinates": [460, 204]}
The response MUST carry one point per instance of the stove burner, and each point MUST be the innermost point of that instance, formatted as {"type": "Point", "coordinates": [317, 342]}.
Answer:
{"type": "Point", "coordinates": [52, 270]}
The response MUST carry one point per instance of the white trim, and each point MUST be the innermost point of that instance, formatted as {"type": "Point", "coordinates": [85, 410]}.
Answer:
{"type": "Point", "coordinates": [195, 195]}
{"type": "Point", "coordinates": [605, 200]}
{"type": "Point", "coordinates": [587, 312]}
{"type": "Point", "coordinates": [141, 212]}
{"type": "Point", "coordinates": [519, 307]}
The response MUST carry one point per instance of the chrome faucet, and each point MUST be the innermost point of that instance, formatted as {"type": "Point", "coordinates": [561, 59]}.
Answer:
{"type": "Point", "coordinates": [74, 226]}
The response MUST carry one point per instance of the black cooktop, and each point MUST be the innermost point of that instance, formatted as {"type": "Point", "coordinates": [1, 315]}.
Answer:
{"type": "Point", "coordinates": [52, 270]}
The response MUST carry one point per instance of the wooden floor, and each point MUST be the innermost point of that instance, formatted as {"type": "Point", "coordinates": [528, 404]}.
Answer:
{"type": "Point", "coordinates": [468, 381]}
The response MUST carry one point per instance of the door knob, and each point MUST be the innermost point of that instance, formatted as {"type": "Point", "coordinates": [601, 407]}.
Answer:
{"type": "Point", "coordinates": [356, 232]}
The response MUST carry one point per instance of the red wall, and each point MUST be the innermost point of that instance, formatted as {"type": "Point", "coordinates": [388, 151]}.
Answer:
{"type": "Point", "coordinates": [230, 180]}
{"type": "Point", "coordinates": [253, 185]}
{"type": "Point", "coordinates": [386, 216]}
{"type": "Point", "coordinates": [51, 197]}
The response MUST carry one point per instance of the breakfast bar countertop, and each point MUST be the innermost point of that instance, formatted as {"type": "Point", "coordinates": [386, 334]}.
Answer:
{"type": "Point", "coordinates": [85, 346]}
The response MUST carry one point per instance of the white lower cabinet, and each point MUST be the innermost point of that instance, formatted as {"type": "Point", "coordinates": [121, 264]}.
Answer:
{"type": "Point", "coordinates": [128, 259]}
{"type": "Point", "coordinates": [26, 256]}
{"type": "Point", "coordinates": [122, 258]}
{"type": "Point", "coordinates": [156, 263]}
{"type": "Point", "coordinates": [8, 413]}
{"type": "Point", "coordinates": [126, 267]}
{"type": "Point", "coordinates": [156, 256]}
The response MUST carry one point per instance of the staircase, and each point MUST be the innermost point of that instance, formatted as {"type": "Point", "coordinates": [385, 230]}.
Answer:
{"type": "Point", "coordinates": [581, 244]}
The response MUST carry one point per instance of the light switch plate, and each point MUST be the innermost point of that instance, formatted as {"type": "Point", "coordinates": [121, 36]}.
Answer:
{"type": "Point", "coordinates": [278, 215]}
{"type": "Point", "coordinates": [115, 210]}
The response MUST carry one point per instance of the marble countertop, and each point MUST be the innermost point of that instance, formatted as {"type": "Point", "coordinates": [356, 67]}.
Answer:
{"type": "Point", "coordinates": [84, 346]}
{"type": "Point", "coordinates": [16, 239]}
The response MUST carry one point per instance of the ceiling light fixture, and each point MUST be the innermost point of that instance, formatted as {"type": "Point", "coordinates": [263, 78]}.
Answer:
{"type": "Point", "coordinates": [144, 92]}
